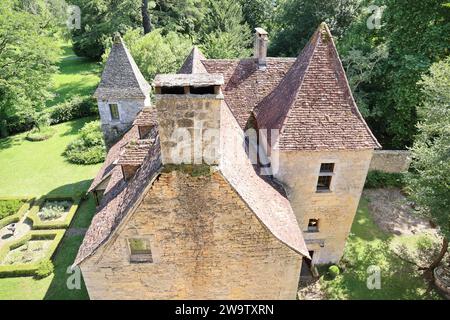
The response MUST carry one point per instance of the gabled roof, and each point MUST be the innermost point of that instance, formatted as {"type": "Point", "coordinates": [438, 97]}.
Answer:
{"type": "Point", "coordinates": [245, 84]}
{"type": "Point", "coordinates": [193, 64]}
{"type": "Point", "coordinates": [313, 106]}
{"type": "Point", "coordinates": [121, 76]}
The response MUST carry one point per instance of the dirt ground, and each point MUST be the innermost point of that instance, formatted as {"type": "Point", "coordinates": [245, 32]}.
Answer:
{"type": "Point", "coordinates": [393, 213]}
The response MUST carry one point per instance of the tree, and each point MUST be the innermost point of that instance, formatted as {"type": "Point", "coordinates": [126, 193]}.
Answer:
{"type": "Point", "coordinates": [100, 19]}
{"type": "Point", "coordinates": [297, 20]}
{"type": "Point", "coordinates": [156, 53]}
{"type": "Point", "coordinates": [146, 21]}
{"type": "Point", "coordinates": [28, 55]}
{"type": "Point", "coordinates": [225, 34]}
{"type": "Point", "coordinates": [429, 183]}
{"type": "Point", "coordinates": [260, 13]}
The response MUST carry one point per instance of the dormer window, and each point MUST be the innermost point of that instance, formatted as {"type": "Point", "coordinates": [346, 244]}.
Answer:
{"type": "Point", "coordinates": [114, 111]}
{"type": "Point", "coordinates": [325, 176]}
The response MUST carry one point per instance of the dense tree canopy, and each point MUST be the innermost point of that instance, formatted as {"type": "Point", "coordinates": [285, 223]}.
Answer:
{"type": "Point", "coordinates": [27, 59]}
{"type": "Point", "coordinates": [429, 183]}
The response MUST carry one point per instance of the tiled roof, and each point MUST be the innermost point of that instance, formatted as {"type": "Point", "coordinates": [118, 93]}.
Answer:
{"type": "Point", "coordinates": [119, 198]}
{"type": "Point", "coordinates": [113, 155]}
{"type": "Point", "coordinates": [147, 117]}
{"type": "Point", "coordinates": [135, 152]}
{"type": "Point", "coordinates": [121, 76]}
{"type": "Point", "coordinates": [193, 64]}
{"type": "Point", "coordinates": [245, 85]}
{"type": "Point", "coordinates": [313, 106]}
{"type": "Point", "coordinates": [272, 209]}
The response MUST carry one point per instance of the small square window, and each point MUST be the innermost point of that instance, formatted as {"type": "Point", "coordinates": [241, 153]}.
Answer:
{"type": "Point", "coordinates": [140, 250]}
{"type": "Point", "coordinates": [313, 225]}
{"type": "Point", "coordinates": [327, 167]}
{"type": "Point", "coordinates": [323, 183]}
{"type": "Point", "coordinates": [114, 110]}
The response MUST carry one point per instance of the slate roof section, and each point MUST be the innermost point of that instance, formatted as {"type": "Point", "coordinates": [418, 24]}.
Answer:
{"type": "Point", "coordinates": [193, 64]}
{"type": "Point", "coordinates": [313, 106]}
{"type": "Point", "coordinates": [272, 209]}
{"type": "Point", "coordinates": [121, 76]}
{"type": "Point", "coordinates": [245, 85]}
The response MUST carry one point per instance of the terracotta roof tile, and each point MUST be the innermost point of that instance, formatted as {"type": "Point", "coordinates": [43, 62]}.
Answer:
{"type": "Point", "coordinates": [313, 105]}
{"type": "Point", "coordinates": [135, 152]}
{"type": "Point", "coordinates": [245, 85]}
{"type": "Point", "coordinates": [147, 117]}
{"type": "Point", "coordinates": [271, 208]}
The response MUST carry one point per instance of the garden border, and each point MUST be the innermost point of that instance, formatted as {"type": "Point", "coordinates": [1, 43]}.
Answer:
{"type": "Point", "coordinates": [38, 224]}
{"type": "Point", "coordinates": [29, 269]}
{"type": "Point", "coordinates": [19, 214]}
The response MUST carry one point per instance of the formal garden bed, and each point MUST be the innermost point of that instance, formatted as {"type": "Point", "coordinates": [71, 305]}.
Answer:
{"type": "Point", "coordinates": [53, 212]}
{"type": "Point", "coordinates": [23, 256]}
{"type": "Point", "coordinates": [13, 209]}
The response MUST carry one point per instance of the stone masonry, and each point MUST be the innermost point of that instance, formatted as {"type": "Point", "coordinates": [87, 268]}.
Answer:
{"type": "Point", "coordinates": [205, 243]}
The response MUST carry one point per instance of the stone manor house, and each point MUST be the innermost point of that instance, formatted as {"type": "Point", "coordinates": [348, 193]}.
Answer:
{"type": "Point", "coordinates": [215, 224]}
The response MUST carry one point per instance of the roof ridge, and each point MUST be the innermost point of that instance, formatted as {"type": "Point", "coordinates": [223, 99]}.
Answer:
{"type": "Point", "coordinates": [192, 63]}
{"type": "Point", "coordinates": [136, 71]}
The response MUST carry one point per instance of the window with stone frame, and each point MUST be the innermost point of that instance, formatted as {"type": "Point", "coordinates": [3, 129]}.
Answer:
{"type": "Point", "coordinates": [140, 250]}
{"type": "Point", "coordinates": [325, 177]}
{"type": "Point", "coordinates": [114, 110]}
{"type": "Point", "coordinates": [313, 225]}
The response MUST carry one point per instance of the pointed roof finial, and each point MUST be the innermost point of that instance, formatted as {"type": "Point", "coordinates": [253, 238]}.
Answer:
{"type": "Point", "coordinates": [117, 38]}
{"type": "Point", "coordinates": [193, 62]}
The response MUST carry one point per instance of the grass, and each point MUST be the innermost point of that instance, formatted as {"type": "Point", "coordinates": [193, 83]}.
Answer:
{"type": "Point", "coordinates": [38, 168]}
{"type": "Point", "coordinates": [369, 246]}
{"type": "Point", "coordinates": [54, 287]}
{"type": "Point", "coordinates": [77, 76]}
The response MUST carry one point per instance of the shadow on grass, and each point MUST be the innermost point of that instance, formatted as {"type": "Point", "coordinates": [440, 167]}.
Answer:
{"type": "Point", "coordinates": [68, 249]}
{"type": "Point", "coordinates": [72, 189]}
{"type": "Point", "coordinates": [75, 126]}
{"type": "Point", "coordinates": [8, 142]}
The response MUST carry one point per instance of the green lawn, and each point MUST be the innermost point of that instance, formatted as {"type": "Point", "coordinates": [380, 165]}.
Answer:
{"type": "Point", "coordinates": [369, 246]}
{"type": "Point", "coordinates": [54, 286]}
{"type": "Point", "coordinates": [38, 168]}
{"type": "Point", "coordinates": [77, 76]}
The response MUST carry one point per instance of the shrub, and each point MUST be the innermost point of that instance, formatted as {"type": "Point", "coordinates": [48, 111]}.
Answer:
{"type": "Point", "coordinates": [40, 134]}
{"type": "Point", "coordinates": [44, 269]}
{"type": "Point", "coordinates": [9, 207]}
{"type": "Point", "coordinates": [76, 107]}
{"type": "Point", "coordinates": [334, 271]}
{"type": "Point", "coordinates": [89, 148]}
{"type": "Point", "coordinates": [54, 209]}
{"type": "Point", "coordinates": [379, 179]}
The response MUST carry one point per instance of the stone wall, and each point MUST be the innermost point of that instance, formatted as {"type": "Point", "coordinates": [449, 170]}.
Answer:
{"type": "Point", "coordinates": [336, 209]}
{"type": "Point", "coordinates": [128, 109]}
{"type": "Point", "coordinates": [205, 242]}
{"type": "Point", "coordinates": [391, 160]}
{"type": "Point", "coordinates": [199, 121]}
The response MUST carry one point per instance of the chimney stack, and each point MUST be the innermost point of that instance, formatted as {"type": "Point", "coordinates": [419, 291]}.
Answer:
{"type": "Point", "coordinates": [261, 40]}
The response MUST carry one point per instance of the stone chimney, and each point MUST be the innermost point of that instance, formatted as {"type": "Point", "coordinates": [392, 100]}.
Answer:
{"type": "Point", "coordinates": [188, 111]}
{"type": "Point", "coordinates": [261, 40]}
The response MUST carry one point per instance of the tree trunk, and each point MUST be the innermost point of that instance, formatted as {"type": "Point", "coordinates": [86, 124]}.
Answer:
{"type": "Point", "coordinates": [146, 22]}
{"type": "Point", "coordinates": [3, 129]}
{"type": "Point", "coordinates": [430, 270]}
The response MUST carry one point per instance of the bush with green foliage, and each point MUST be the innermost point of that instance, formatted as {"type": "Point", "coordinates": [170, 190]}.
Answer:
{"type": "Point", "coordinates": [89, 148]}
{"type": "Point", "coordinates": [9, 207]}
{"type": "Point", "coordinates": [76, 107]}
{"type": "Point", "coordinates": [379, 179]}
{"type": "Point", "coordinates": [54, 209]}
{"type": "Point", "coordinates": [44, 269]}
{"type": "Point", "coordinates": [334, 271]}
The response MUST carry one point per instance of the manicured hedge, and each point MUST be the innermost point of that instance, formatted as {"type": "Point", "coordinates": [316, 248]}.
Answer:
{"type": "Point", "coordinates": [29, 269]}
{"type": "Point", "coordinates": [379, 179]}
{"type": "Point", "coordinates": [75, 108]}
{"type": "Point", "coordinates": [40, 224]}
{"type": "Point", "coordinates": [19, 214]}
